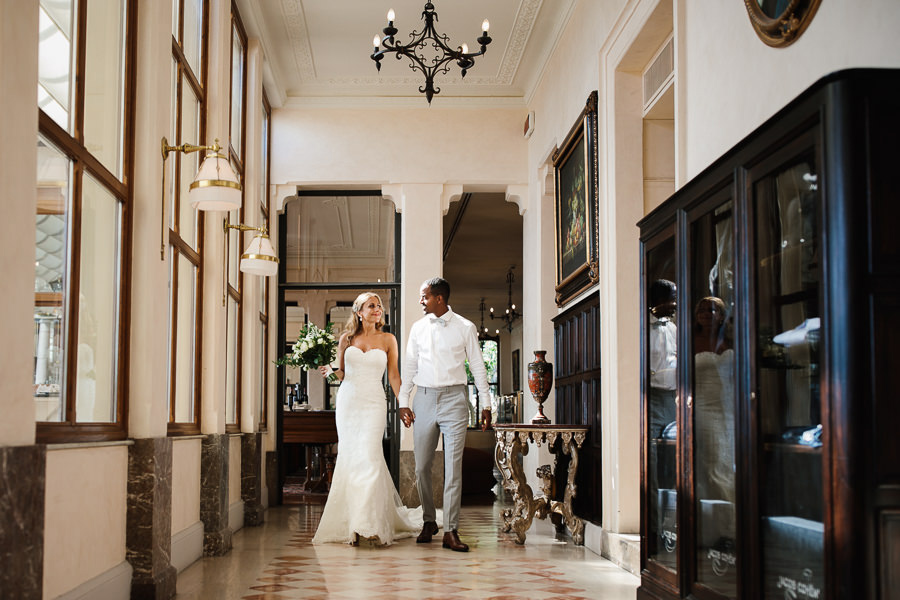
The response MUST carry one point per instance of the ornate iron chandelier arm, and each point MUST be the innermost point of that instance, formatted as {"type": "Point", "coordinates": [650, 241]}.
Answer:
{"type": "Point", "coordinates": [418, 41]}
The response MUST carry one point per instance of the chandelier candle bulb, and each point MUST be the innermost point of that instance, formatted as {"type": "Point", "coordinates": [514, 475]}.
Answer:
{"type": "Point", "coordinates": [465, 48]}
{"type": "Point", "coordinates": [376, 41]}
{"type": "Point", "coordinates": [485, 26]}
{"type": "Point", "coordinates": [391, 16]}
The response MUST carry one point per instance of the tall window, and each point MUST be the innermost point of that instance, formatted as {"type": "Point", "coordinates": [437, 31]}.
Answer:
{"type": "Point", "coordinates": [265, 141]}
{"type": "Point", "coordinates": [85, 89]}
{"type": "Point", "coordinates": [188, 109]}
{"type": "Point", "coordinates": [234, 238]}
{"type": "Point", "coordinates": [490, 351]}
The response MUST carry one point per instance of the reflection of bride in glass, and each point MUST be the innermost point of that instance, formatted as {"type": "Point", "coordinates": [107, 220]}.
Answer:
{"type": "Point", "coordinates": [713, 400]}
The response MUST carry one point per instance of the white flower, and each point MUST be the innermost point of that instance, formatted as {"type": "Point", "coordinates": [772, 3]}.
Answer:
{"type": "Point", "coordinates": [304, 347]}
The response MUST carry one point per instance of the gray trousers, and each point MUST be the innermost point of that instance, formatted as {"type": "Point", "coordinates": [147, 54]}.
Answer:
{"type": "Point", "coordinates": [440, 410]}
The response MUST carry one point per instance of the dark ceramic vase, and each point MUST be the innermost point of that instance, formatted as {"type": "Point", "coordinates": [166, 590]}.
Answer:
{"type": "Point", "coordinates": [540, 380]}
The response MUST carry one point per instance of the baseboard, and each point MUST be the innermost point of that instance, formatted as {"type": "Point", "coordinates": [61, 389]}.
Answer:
{"type": "Point", "coordinates": [622, 549]}
{"type": "Point", "coordinates": [236, 516]}
{"type": "Point", "coordinates": [187, 546]}
{"type": "Point", "coordinates": [114, 584]}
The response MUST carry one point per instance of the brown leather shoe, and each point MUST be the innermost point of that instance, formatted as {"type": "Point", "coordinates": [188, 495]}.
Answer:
{"type": "Point", "coordinates": [428, 529]}
{"type": "Point", "coordinates": [451, 540]}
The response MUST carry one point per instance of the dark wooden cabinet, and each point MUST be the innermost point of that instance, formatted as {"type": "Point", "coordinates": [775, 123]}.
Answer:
{"type": "Point", "coordinates": [770, 444]}
{"type": "Point", "coordinates": [577, 382]}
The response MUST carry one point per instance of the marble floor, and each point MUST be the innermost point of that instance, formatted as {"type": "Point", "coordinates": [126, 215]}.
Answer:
{"type": "Point", "coordinates": [277, 561]}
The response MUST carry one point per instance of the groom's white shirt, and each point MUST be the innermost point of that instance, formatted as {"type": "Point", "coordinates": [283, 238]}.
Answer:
{"type": "Point", "coordinates": [436, 353]}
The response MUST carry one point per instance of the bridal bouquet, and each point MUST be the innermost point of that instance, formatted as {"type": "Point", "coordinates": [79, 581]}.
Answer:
{"type": "Point", "coordinates": [314, 348]}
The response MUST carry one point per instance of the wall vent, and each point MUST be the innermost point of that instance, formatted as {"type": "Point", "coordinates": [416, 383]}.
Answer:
{"type": "Point", "coordinates": [659, 72]}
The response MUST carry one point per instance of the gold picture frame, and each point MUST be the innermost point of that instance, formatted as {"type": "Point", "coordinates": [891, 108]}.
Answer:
{"type": "Point", "coordinates": [779, 23]}
{"type": "Point", "coordinates": [576, 205]}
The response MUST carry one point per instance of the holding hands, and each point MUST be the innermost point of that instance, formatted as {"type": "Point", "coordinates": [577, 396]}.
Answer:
{"type": "Point", "coordinates": [407, 416]}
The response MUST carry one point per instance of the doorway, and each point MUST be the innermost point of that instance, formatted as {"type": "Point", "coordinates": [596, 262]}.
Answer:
{"type": "Point", "coordinates": [334, 246]}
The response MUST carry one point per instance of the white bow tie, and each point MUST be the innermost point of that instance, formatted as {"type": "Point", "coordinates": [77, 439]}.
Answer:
{"type": "Point", "coordinates": [439, 321]}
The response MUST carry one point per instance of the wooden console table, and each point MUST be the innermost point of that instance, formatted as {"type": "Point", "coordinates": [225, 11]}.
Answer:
{"type": "Point", "coordinates": [312, 428]}
{"type": "Point", "coordinates": [512, 443]}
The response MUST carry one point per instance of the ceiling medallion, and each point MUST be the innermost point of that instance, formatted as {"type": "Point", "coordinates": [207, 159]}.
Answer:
{"type": "Point", "coordinates": [427, 61]}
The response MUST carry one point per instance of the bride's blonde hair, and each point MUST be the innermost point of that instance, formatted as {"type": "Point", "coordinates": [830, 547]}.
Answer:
{"type": "Point", "coordinates": [354, 323]}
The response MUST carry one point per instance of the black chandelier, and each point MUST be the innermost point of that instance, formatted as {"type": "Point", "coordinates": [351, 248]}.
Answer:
{"type": "Point", "coordinates": [428, 66]}
{"type": "Point", "coordinates": [483, 331]}
{"type": "Point", "coordinates": [511, 315]}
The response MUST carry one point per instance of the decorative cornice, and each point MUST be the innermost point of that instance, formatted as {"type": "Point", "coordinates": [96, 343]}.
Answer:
{"type": "Point", "coordinates": [521, 31]}
{"type": "Point", "coordinates": [405, 102]}
{"type": "Point", "coordinates": [295, 25]}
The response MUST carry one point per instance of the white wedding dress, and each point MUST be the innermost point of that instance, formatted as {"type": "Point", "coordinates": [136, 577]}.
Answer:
{"type": "Point", "coordinates": [362, 499]}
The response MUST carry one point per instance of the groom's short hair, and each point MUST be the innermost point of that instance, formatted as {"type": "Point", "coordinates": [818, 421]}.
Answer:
{"type": "Point", "coordinates": [439, 287]}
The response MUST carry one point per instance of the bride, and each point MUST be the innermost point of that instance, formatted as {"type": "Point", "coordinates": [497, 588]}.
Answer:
{"type": "Point", "coordinates": [362, 502]}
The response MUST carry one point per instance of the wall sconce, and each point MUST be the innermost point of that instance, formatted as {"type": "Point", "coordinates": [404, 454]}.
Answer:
{"type": "Point", "coordinates": [258, 259]}
{"type": "Point", "coordinates": [215, 187]}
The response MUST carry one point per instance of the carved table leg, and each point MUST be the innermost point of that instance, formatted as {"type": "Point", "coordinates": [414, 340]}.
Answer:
{"type": "Point", "coordinates": [518, 518]}
{"type": "Point", "coordinates": [574, 523]}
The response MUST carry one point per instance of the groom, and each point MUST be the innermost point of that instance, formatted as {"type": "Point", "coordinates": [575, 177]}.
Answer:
{"type": "Point", "coordinates": [438, 347]}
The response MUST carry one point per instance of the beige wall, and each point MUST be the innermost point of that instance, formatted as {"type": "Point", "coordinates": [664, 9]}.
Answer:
{"type": "Point", "coordinates": [730, 82]}
{"type": "Point", "coordinates": [327, 147]}
{"type": "Point", "coordinates": [84, 514]}
{"type": "Point", "coordinates": [185, 484]}
{"type": "Point", "coordinates": [18, 196]}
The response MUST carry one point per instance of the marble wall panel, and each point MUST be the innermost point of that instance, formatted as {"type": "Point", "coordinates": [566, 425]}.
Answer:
{"type": "Point", "coordinates": [22, 486]}
{"type": "Point", "coordinates": [214, 494]}
{"type": "Point", "coordinates": [149, 526]}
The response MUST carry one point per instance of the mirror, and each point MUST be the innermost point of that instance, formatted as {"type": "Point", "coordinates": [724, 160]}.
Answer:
{"type": "Point", "coordinates": [779, 23]}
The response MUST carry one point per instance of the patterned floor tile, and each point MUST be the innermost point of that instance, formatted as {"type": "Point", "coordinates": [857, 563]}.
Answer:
{"type": "Point", "coordinates": [277, 561]}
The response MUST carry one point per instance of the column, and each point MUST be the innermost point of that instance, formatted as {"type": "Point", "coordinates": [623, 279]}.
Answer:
{"type": "Point", "coordinates": [22, 463]}
{"type": "Point", "coordinates": [423, 206]}
{"type": "Point", "coordinates": [149, 514]}
{"type": "Point", "coordinates": [214, 457]}
{"type": "Point", "coordinates": [149, 534]}
{"type": "Point", "coordinates": [251, 484]}
{"type": "Point", "coordinates": [215, 448]}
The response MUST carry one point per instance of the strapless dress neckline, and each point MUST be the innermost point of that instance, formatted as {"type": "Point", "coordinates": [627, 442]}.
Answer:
{"type": "Point", "coordinates": [367, 351]}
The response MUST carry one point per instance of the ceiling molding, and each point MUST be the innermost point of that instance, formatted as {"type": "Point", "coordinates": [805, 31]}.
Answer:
{"type": "Point", "coordinates": [522, 26]}
{"type": "Point", "coordinates": [312, 53]}
{"type": "Point", "coordinates": [298, 34]}
{"type": "Point", "coordinates": [405, 102]}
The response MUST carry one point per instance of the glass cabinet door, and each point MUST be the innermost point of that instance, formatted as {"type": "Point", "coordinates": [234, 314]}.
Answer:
{"type": "Point", "coordinates": [712, 397]}
{"type": "Point", "coordinates": [661, 433]}
{"type": "Point", "coordinates": [786, 206]}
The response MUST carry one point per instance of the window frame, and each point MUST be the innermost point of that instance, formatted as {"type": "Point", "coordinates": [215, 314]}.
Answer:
{"type": "Point", "coordinates": [83, 162]}
{"type": "Point", "coordinates": [266, 287]}
{"type": "Point", "coordinates": [236, 156]}
{"type": "Point", "coordinates": [177, 246]}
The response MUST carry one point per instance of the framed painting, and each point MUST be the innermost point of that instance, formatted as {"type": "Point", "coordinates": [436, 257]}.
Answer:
{"type": "Point", "coordinates": [576, 206]}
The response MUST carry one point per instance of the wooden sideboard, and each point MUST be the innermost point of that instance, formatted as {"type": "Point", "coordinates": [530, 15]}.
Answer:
{"type": "Point", "coordinates": [311, 429]}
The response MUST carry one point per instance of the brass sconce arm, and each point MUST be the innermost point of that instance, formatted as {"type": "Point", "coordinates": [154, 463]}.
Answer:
{"type": "Point", "coordinates": [187, 148]}
{"type": "Point", "coordinates": [242, 227]}
{"type": "Point", "coordinates": [166, 149]}
{"type": "Point", "coordinates": [258, 259]}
